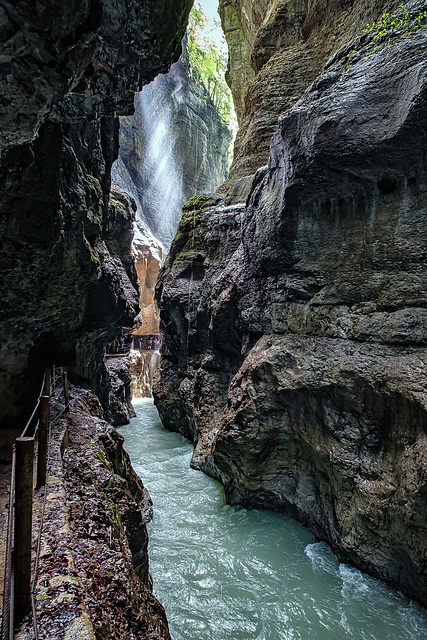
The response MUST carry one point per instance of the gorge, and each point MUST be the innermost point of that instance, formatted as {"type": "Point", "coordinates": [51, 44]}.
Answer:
{"type": "Point", "coordinates": [293, 300]}
{"type": "Point", "coordinates": [296, 365]}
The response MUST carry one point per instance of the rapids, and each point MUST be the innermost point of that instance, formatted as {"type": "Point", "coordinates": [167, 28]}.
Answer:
{"type": "Point", "coordinates": [226, 573]}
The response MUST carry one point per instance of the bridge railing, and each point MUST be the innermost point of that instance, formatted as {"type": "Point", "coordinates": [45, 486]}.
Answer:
{"type": "Point", "coordinates": [18, 594]}
{"type": "Point", "coordinates": [119, 347]}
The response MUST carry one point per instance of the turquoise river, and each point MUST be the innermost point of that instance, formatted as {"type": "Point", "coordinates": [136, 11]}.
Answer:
{"type": "Point", "coordinates": [226, 573]}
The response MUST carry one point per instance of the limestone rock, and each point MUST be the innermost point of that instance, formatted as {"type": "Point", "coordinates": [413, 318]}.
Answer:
{"type": "Point", "coordinates": [301, 377]}
{"type": "Point", "coordinates": [120, 396]}
{"type": "Point", "coordinates": [148, 258]}
{"type": "Point", "coordinates": [108, 507]}
{"type": "Point", "coordinates": [277, 48]}
{"type": "Point", "coordinates": [68, 285]}
{"type": "Point", "coordinates": [333, 434]}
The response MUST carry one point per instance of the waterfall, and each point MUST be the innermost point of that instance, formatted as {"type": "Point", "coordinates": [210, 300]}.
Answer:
{"type": "Point", "coordinates": [150, 167]}
{"type": "Point", "coordinates": [174, 147]}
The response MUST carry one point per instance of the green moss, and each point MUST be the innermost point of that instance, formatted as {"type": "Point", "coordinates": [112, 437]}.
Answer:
{"type": "Point", "coordinates": [112, 510]}
{"type": "Point", "coordinates": [189, 235]}
{"type": "Point", "coordinates": [197, 202]}
{"type": "Point", "coordinates": [100, 456]}
{"type": "Point", "coordinates": [387, 29]}
{"type": "Point", "coordinates": [399, 24]}
{"type": "Point", "coordinates": [115, 205]}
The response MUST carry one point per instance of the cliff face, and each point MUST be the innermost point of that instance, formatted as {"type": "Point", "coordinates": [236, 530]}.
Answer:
{"type": "Point", "coordinates": [175, 146]}
{"type": "Point", "coordinates": [300, 373]}
{"type": "Point", "coordinates": [68, 281]}
{"type": "Point", "coordinates": [277, 48]}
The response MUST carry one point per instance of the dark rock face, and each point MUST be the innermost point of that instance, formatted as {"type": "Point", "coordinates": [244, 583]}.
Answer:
{"type": "Point", "coordinates": [120, 398]}
{"type": "Point", "coordinates": [332, 433]}
{"type": "Point", "coordinates": [108, 507]}
{"type": "Point", "coordinates": [311, 353]}
{"type": "Point", "coordinates": [68, 282]}
{"type": "Point", "coordinates": [81, 59]}
{"type": "Point", "coordinates": [199, 358]}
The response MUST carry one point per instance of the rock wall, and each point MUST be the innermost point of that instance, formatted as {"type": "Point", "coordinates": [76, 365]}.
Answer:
{"type": "Point", "coordinates": [93, 580]}
{"type": "Point", "coordinates": [295, 325]}
{"type": "Point", "coordinates": [277, 48]}
{"type": "Point", "coordinates": [148, 258]}
{"type": "Point", "coordinates": [68, 283]}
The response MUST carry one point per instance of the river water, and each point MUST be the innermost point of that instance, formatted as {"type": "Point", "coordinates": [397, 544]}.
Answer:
{"type": "Point", "coordinates": [226, 573]}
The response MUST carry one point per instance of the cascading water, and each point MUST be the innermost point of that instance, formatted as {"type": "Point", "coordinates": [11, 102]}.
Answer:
{"type": "Point", "coordinates": [156, 181]}
{"type": "Point", "coordinates": [174, 147]}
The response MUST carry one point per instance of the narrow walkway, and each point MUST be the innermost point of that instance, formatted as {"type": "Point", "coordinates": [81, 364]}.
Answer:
{"type": "Point", "coordinates": [94, 508]}
{"type": "Point", "coordinates": [60, 610]}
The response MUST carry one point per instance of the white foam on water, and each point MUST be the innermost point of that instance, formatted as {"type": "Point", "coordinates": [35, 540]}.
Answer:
{"type": "Point", "coordinates": [226, 573]}
{"type": "Point", "coordinates": [322, 558]}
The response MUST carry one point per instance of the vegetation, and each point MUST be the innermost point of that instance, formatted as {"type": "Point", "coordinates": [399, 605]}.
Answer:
{"type": "Point", "coordinates": [208, 63]}
{"type": "Point", "coordinates": [388, 28]}
{"type": "Point", "coordinates": [100, 456]}
{"type": "Point", "coordinates": [402, 23]}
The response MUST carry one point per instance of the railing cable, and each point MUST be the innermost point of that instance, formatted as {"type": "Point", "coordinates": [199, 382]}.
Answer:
{"type": "Point", "coordinates": [42, 429]}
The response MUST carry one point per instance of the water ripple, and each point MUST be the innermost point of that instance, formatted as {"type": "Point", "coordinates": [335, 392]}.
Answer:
{"type": "Point", "coordinates": [226, 573]}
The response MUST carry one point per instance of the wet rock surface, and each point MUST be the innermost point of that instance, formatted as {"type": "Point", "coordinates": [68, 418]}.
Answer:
{"type": "Point", "coordinates": [277, 49]}
{"type": "Point", "coordinates": [68, 284]}
{"type": "Point", "coordinates": [108, 507]}
{"type": "Point", "coordinates": [93, 579]}
{"type": "Point", "coordinates": [333, 433]}
{"type": "Point", "coordinates": [120, 408]}
{"type": "Point", "coordinates": [144, 363]}
{"type": "Point", "coordinates": [301, 377]}
{"type": "Point", "coordinates": [81, 59]}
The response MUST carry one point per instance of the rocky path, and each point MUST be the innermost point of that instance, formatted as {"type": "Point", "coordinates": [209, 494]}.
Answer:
{"type": "Point", "coordinates": [92, 516]}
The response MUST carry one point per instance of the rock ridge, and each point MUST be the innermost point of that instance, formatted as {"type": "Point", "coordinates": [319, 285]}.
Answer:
{"type": "Point", "coordinates": [93, 579]}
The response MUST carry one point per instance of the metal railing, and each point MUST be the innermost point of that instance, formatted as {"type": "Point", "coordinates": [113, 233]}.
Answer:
{"type": "Point", "coordinates": [119, 347]}
{"type": "Point", "coordinates": [150, 342]}
{"type": "Point", "coordinates": [18, 595]}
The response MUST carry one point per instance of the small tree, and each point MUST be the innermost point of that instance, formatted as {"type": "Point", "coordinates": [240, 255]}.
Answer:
{"type": "Point", "coordinates": [208, 63]}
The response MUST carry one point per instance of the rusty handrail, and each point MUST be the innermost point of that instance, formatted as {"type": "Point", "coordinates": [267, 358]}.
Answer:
{"type": "Point", "coordinates": [7, 619]}
{"type": "Point", "coordinates": [24, 570]}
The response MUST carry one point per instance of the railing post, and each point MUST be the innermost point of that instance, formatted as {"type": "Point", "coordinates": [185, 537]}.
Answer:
{"type": "Point", "coordinates": [47, 380]}
{"type": "Point", "coordinates": [65, 386]}
{"type": "Point", "coordinates": [42, 446]}
{"type": "Point", "coordinates": [7, 617]}
{"type": "Point", "coordinates": [23, 526]}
